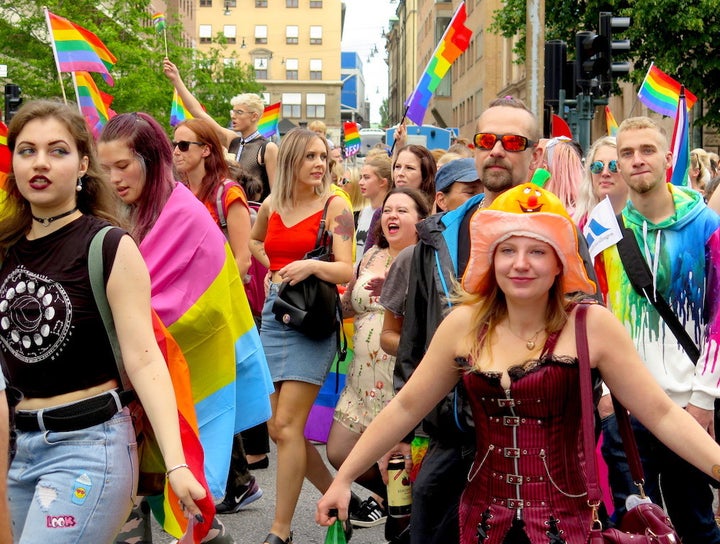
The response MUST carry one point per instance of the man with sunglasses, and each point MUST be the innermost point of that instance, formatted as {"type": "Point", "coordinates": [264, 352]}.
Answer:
{"type": "Point", "coordinates": [255, 153]}
{"type": "Point", "coordinates": [506, 153]}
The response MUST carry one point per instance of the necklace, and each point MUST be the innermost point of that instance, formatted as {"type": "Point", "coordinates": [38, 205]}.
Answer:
{"type": "Point", "coordinates": [530, 342]}
{"type": "Point", "coordinates": [46, 221]}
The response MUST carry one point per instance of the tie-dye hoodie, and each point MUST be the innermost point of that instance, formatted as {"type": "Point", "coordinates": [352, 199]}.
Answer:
{"type": "Point", "coordinates": [683, 254]}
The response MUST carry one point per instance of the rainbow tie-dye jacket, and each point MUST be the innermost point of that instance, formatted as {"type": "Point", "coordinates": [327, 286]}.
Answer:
{"type": "Point", "coordinates": [683, 254]}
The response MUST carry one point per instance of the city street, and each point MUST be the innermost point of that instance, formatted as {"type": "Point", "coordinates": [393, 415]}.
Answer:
{"type": "Point", "coordinates": [251, 525]}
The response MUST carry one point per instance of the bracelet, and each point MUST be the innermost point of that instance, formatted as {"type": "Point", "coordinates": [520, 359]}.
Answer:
{"type": "Point", "coordinates": [182, 465]}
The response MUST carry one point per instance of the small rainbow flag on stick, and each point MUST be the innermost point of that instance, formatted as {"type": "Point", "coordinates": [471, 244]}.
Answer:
{"type": "Point", "coordinates": [453, 43]}
{"type": "Point", "coordinates": [352, 139]}
{"type": "Point", "coordinates": [661, 93]}
{"type": "Point", "coordinates": [93, 103]}
{"type": "Point", "coordinates": [178, 111]}
{"type": "Point", "coordinates": [610, 121]}
{"type": "Point", "coordinates": [158, 20]}
{"type": "Point", "coordinates": [77, 49]}
{"type": "Point", "coordinates": [268, 123]}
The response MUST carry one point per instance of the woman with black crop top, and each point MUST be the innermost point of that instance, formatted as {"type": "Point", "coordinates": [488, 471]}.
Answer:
{"type": "Point", "coordinates": [75, 473]}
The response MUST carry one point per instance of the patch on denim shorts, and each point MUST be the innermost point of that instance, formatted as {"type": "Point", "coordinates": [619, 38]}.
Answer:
{"type": "Point", "coordinates": [60, 522]}
{"type": "Point", "coordinates": [81, 489]}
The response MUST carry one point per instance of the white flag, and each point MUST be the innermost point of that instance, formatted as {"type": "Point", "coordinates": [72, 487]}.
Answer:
{"type": "Point", "coordinates": [602, 229]}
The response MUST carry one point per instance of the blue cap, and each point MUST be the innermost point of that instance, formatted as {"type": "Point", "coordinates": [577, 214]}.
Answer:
{"type": "Point", "coordinates": [462, 170]}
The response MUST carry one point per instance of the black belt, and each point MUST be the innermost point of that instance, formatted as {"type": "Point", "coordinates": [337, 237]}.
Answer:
{"type": "Point", "coordinates": [75, 416]}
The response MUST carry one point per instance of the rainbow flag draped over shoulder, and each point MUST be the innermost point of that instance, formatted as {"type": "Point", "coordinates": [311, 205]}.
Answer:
{"type": "Point", "coordinates": [178, 111]}
{"type": "Point", "coordinates": [610, 122]}
{"type": "Point", "coordinates": [166, 507]}
{"type": "Point", "coordinates": [94, 104]}
{"type": "Point", "coordinates": [453, 43]}
{"type": "Point", "coordinates": [78, 49]}
{"type": "Point", "coordinates": [198, 294]}
{"type": "Point", "coordinates": [352, 139]}
{"type": "Point", "coordinates": [661, 93]}
{"type": "Point", "coordinates": [268, 123]}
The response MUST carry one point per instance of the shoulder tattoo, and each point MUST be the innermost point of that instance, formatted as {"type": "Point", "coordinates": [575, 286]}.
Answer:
{"type": "Point", "coordinates": [345, 225]}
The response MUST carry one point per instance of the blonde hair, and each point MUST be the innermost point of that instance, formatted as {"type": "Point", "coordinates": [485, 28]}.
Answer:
{"type": "Point", "coordinates": [699, 160]}
{"type": "Point", "coordinates": [586, 198]}
{"type": "Point", "coordinates": [253, 102]}
{"type": "Point", "coordinates": [352, 188]}
{"type": "Point", "coordinates": [638, 123]}
{"type": "Point", "coordinates": [448, 157]}
{"type": "Point", "coordinates": [290, 158]}
{"type": "Point", "coordinates": [317, 126]}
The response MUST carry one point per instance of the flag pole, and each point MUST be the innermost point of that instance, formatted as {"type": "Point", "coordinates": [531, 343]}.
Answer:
{"type": "Point", "coordinates": [637, 99]}
{"type": "Point", "coordinates": [392, 149]}
{"type": "Point", "coordinates": [77, 92]}
{"type": "Point", "coordinates": [165, 39]}
{"type": "Point", "coordinates": [57, 62]}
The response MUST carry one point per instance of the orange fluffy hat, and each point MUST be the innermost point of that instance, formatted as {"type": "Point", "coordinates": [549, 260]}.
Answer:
{"type": "Point", "coordinates": [531, 211]}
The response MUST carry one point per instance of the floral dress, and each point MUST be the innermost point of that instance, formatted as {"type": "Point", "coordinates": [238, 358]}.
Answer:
{"type": "Point", "coordinates": [369, 380]}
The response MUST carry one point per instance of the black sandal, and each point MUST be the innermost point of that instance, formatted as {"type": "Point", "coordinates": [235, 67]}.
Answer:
{"type": "Point", "coordinates": [274, 539]}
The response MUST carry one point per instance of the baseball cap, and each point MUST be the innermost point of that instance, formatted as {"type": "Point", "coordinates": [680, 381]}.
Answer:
{"type": "Point", "coordinates": [462, 170]}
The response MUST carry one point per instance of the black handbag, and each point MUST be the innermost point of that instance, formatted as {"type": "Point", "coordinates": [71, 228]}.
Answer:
{"type": "Point", "coordinates": [312, 306]}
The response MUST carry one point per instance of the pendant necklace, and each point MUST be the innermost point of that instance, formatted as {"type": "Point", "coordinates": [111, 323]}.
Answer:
{"type": "Point", "coordinates": [530, 342]}
{"type": "Point", "coordinates": [46, 221]}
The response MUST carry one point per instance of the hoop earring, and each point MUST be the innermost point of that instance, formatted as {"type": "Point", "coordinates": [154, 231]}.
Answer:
{"type": "Point", "coordinates": [79, 185]}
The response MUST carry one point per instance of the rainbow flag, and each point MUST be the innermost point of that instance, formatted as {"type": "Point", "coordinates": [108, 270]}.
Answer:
{"type": "Point", "coordinates": [268, 123]}
{"type": "Point", "coordinates": [453, 43]}
{"type": "Point", "coordinates": [352, 139]}
{"type": "Point", "coordinates": [94, 104]}
{"type": "Point", "coordinates": [158, 20]}
{"type": "Point", "coordinates": [178, 111]}
{"type": "Point", "coordinates": [680, 145]}
{"type": "Point", "coordinates": [199, 296]}
{"type": "Point", "coordinates": [78, 49]}
{"type": "Point", "coordinates": [612, 125]}
{"type": "Point", "coordinates": [166, 507]}
{"type": "Point", "coordinates": [5, 155]}
{"type": "Point", "coordinates": [661, 93]}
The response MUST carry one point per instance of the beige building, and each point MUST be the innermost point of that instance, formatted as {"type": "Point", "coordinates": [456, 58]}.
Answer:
{"type": "Point", "coordinates": [294, 46]}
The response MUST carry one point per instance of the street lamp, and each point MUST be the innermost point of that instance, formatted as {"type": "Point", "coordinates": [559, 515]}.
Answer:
{"type": "Point", "coordinates": [227, 7]}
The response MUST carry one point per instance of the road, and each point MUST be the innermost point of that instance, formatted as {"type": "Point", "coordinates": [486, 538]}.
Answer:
{"type": "Point", "coordinates": [251, 525]}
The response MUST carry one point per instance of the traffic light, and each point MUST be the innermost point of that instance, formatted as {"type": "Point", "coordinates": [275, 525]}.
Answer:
{"type": "Point", "coordinates": [12, 100]}
{"type": "Point", "coordinates": [607, 25]}
{"type": "Point", "coordinates": [590, 59]}
{"type": "Point", "coordinates": [555, 57]}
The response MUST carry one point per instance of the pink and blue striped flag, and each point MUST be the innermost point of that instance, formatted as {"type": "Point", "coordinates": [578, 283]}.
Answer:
{"type": "Point", "coordinates": [680, 145]}
{"type": "Point", "coordinates": [453, 43]}
{"type": "Point", "coordinates": [178, 111]}
{"type": "Point", "coordinates": [78, 49]}
{"type": "Point", "coordinates": [94, 104]}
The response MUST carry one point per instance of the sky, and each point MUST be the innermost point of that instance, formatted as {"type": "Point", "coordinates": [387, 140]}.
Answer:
{"type": "Point", "coordinates": [365, 21]}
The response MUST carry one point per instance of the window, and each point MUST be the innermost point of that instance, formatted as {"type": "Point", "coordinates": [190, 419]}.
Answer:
{"type": "Point", "coordinates": [205, 33]}
{"type": "Point", "coordinates": [260, 3]}
{"type": "Point", "coordinates": [205, 3]}
{"type": "Point", "coordinates": [291, 69]}
{"type": "Point", "coordinates": [291, 34]}
{"type": "Point", "coordinates": [291, 105]}
{"type": "Point", "coordinates": [315, 105]}
{"type": "Point", "coordinates": [261, 34]}
{"type": "Point", "coordinates": [230, 3]}
{"type": "Point", "coordinates": [261, 68]}
{"type": "Point", "coordinates": [315, 68]}
{"type": "Point", "coordinates": [291, 3]}
{"type": "Point", "coordinates": [315, 35]}
{"type": "Point", "coordinates": [230, 33]}
{"type": "Point", "coordinates": [266, 98]}
{"type": "Point", "coordinates": [315, 3]}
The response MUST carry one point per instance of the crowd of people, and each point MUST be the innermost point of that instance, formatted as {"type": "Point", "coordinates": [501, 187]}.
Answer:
{"type": "Point", "coordinates": [464, 271]}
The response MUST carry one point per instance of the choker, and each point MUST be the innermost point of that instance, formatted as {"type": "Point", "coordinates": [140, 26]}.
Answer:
{"type": "Point", "coordinates": [47, 221]}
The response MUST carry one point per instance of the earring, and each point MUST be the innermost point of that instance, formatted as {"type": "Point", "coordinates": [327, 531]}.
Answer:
{"type": "Point", "coordinates": [79, 185]}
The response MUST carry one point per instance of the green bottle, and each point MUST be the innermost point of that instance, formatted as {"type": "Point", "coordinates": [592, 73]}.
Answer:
{"type": "Point", "coordinates": [335, 533]}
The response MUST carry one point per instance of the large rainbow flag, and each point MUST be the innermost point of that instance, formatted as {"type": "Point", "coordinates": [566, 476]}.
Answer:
{"type": "Point", "coordinates": [93, 103]}
{"type": "Point", "coordinates": [76, 48]}
{"type": "Point", "coordinates": [199, 296]}
{"type": "Point", "coordinates": [268, 123]}
{"type": "Point", "coordinates": [455, 40]}
{"type": "Point", "coordinates": [661, 93]}
{"type": "Point", "coordinates": [352, 139]}
{"type": "Point", "coordinates": [178, 110]}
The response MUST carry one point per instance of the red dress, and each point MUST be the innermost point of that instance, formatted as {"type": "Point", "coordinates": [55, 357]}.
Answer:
{"type": "Point", "coordinates": [529, 463]}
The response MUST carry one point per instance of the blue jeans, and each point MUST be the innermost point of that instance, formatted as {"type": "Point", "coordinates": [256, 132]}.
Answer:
{"type": "Point", "coordinates": [684, 490]}
{"type": "Point", "coordinates": [436, 493]}
{"type": "Point", "coordinates": [70, 487]}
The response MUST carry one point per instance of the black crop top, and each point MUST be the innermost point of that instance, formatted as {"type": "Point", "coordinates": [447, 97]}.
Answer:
{"type": "Point", "coordinates": [51, 333]}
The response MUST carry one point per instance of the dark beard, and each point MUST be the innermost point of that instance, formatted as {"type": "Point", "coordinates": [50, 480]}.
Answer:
{"type": "Point", "coordinates": [498, 184]}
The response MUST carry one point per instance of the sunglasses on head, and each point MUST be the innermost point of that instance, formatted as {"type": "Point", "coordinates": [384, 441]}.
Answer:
{"type": "Point", "coordinates": [510, 142]}
{"type": "Point", "coordinates": [184, 145]}
{"type": "Point", "coordinates": [598, 166]}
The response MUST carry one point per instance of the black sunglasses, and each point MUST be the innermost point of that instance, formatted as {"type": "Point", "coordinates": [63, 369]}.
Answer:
{"type": "Point", "coordinates": [510, 142]}
{"type": "Point", "coordinates": [598, 166]}
{"type": "Point", "coordinates": [184, 145]}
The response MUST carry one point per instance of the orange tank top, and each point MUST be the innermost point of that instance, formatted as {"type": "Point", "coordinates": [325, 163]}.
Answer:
{"type": "Point", "coordinates": [284, 245]}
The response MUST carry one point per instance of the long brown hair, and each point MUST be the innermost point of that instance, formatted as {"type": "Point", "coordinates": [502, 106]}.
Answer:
{"type": "Point", "coordinates": [96, 197]}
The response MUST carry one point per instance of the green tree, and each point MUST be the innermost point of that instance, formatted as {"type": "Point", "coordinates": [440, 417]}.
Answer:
{"type": "Point", "coordinates": [678, 36]}
{"type": "Point", "coordinates": [384, 114]}
{"type": "Point", "coordinates": [124, 26]}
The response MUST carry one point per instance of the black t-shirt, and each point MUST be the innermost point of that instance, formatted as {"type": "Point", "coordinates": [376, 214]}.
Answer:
{"type": "Point", "coordinates": [51, 333]}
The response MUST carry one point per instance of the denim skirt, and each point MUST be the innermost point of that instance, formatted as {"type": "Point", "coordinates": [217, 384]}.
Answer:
{"type": "Point", "coordinates": [290, 354]}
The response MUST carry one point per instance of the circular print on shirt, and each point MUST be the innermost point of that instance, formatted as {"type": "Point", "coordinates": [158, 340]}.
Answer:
{"type": "Point", "coordinates": [35, 315]}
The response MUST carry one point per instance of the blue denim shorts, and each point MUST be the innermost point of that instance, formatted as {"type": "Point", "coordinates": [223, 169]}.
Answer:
{"type": "Point", "coordinates": [291, 355]}
{"type": "Point", "coordinates": [76, 486]}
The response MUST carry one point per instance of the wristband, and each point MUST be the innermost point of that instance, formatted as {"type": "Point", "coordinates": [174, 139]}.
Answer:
{"type": "Point", "coordinates": [182, 465]}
